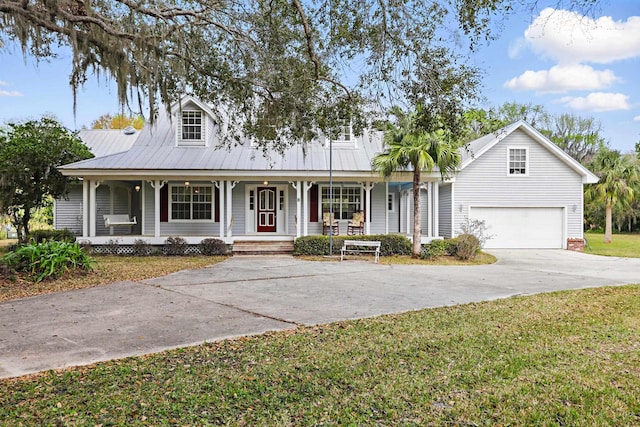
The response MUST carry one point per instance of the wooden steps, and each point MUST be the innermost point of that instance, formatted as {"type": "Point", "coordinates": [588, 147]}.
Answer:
{"type": "Point", "coordinates": [262, 247]}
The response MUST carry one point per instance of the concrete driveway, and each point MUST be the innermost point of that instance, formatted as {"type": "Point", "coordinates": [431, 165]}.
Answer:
{"type": "Point", "coordinates": [252, 295]}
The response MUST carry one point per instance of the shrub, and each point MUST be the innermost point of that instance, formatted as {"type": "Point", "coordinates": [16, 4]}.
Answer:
{"type": "Point", "coordinates": [390, 244]}
{"type": "Point", "coordinates": [477, 228]}
{"type": "Point", "coordinates": [213, 247]}
{"type": "Point", "coordinates": [48, 260]}
{"type": "Point", "coordinates": [175, 246]}
{"type": "Point", "coordinates": [141, 247]}
{"type": "Point", "coordinates": [40, 236]}
{"type": "Point", "coordinates": [435, 249]}
{"type": "Point", "coordinates": [467, 246]}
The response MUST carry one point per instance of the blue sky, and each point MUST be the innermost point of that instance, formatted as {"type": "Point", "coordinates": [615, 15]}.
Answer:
{"type": "Point", "coordinates": [585, 65]}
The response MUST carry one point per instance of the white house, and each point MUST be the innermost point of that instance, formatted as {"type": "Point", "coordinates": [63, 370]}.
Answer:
{"type": "Point", "coordinates": [177, 180]}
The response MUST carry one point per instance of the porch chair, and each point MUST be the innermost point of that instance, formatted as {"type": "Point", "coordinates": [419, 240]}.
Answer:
{"type": "Point", "coordinates": [329, 223]}
{"type": "Point", "coordinates": [356, 224]}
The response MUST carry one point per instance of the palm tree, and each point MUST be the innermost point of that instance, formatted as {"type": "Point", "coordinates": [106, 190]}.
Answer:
{"type": "Point", "coordinates": [409, 146]}
{"type": "Point", "coordinates": [618, 175]}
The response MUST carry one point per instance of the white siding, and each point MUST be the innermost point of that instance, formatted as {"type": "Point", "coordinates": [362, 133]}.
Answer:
{"type": "Point", "coordinates": [550, 183]}
{"type": "Point", "coordinates": [394, 217]}
{"type": "Point", "coordinates": [378, 209]}
{"type": "Point", "coordinates": [444, 208]}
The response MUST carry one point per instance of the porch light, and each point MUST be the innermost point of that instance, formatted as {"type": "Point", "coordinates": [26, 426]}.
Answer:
{"type": "Point", "coordinates": [266, 182]}
{"type": "Point", "coordinates": [137, 187]}
{"type": "Point", "coordinates": [186, 183]}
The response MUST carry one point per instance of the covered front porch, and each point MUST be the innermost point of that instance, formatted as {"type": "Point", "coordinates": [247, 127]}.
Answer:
{"type": "Point", "coordinates": [244, 210]}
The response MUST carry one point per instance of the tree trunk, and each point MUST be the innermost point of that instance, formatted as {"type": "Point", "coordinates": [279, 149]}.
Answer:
{"type": "Point", "coordinates": [26, 217]}
{"type": "Point", "coordinates": [417, 246]}
{"type": "Point", "coordinates": [608, 233]}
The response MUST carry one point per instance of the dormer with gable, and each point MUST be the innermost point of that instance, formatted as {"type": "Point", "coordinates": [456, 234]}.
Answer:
{"type": "Point", "coordinates": [195, 123]}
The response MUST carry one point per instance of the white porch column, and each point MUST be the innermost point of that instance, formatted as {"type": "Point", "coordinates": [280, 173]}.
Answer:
{"type": "Point", "coordinates": [220, 186]}
{"type": "Point", "coordinates": [305, 214]}
{"type": "Point", "coordinates": [298, 187]}
{"type": "Point", "coordinates": [386, 207]}
{"type": "Point", "coordinates": [436, 209]}
{"type": "Point", "coordinates": [430, 209]}
{"type": "Point", "coordinates": [367, 186]}
{"type": "Point", "coordinates": [92, 207]}
{"type": "Point", "coordinates": [229, 204]}
{"type": "Point", "coordinates": [407, 201]}
{"type": "Point", "coordinates": [85, 208]}
{"type": "Point", "coordinates": [157, 185]}
{"type": "Point", "coordinates": [453, 210]}
{"type": "Point", "coordinates": [111, 203]}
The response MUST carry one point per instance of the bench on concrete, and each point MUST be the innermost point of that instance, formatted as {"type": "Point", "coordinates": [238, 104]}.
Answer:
{"type": "Point", "coordinates": [118, 219]}
{"type": "Point", "coordinates": [360, 246]}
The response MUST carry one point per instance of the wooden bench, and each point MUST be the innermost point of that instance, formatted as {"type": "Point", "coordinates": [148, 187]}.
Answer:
{"type": "Point", "coordinates": [360, 246]}
{"type": "Point", "coordinates": [118, 219]}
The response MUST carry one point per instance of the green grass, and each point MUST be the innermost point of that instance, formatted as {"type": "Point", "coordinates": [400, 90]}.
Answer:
{"type": "Point", "coordinates": [567, 358]}
{"type": "Point", "coordinates": [622, 245]}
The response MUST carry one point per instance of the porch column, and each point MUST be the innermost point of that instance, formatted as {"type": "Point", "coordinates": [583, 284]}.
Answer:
{"type": "Point", "coordinates": [436, 209]}
{"type": "Point", "coordinates": [157, 185]}
{"type": "Point", "coordinates": [430, 209]}
{"type": "Point", "coordinates": [85, 208]}
{"type": "Point", "coordinates": [229, 216]}
{"type": "Point", "coordinates": [111, 202]}
{"type": "Point", "coordinates": [407, 201]}
{"type": "Point", "coordinates": [453, 210]}
{"type": "Point", "coordinates": [368, 186]}
{"type": "Point", "coordinates": [298, 187]}
{"type": "Point", "coordinates": [92, 207]}
{"type": "Point", "coordinates": [386, 207]}
{"type": "Point", "coordinates": [220, 186]}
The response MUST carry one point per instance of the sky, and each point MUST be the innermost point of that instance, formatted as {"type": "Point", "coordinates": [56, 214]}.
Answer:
{"type": "Point", "coordinates": [569, 63]}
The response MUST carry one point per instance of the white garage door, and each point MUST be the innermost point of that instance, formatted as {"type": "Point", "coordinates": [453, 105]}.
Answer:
{"type": "Point", "coordinates": [522, 227]}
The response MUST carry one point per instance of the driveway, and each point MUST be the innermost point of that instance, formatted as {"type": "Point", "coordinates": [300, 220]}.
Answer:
{"type": "Point", "coordinates": [251, 295]}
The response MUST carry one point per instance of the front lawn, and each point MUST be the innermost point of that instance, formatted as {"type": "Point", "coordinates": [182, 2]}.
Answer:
{"type": "Point", "coordinates": [566, 358]}
{"type": "Point", "coordinates": [622, 245]}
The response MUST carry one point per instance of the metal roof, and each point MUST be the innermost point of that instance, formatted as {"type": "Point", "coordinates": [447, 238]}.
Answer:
{"type": "Point", "coordinates": [103, 142]}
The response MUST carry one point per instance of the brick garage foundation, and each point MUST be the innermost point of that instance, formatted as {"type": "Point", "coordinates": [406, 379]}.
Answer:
{"type": "Point", "coordinates": [575, 245]}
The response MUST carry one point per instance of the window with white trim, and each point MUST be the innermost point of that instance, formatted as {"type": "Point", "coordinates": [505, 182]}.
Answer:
{"type": "Point", "coordinates": [518, 164]}
{"type": "Point", "coordinates": [346, 201]}
{"type": "Point", "coordinates": [191, 203]}
{"type": "Point", "coordinates": [391, 202]}
{"type": "Point", "coordinates": [346, 131]}
{"type": "Point", "coordinates": [191, 128]}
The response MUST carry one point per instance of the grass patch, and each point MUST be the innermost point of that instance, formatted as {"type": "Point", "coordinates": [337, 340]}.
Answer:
{"type": "Point", "coordinates": [109, 269]}
{"type": "Point", "coordinates": [622, 245]}
{"type": "Point", "coordinates": [566, 358]}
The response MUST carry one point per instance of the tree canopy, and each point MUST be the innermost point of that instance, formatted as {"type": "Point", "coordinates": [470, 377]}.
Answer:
{"type": "Point", "coordinates": [118, 121]}
{"type": "Point", "coordinates": [293, 66]}
{"type": "Point", "coordinates": [30, 153]}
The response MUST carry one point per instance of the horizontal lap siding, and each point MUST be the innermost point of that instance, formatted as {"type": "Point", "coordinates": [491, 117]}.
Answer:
{"type": "Point", "coordinates": [378, 208]}
{"type": "Point", "coordinates": [550, 183]}
{"type": "Point", "coordinates": [444, 208]}
{"type": "Point", "coordinates": [237, 209]}
{"type": "Point", "coordinates": [68, 212]}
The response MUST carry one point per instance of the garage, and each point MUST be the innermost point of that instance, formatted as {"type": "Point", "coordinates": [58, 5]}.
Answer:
{"type": "Point", "coordinates": [522, 227]}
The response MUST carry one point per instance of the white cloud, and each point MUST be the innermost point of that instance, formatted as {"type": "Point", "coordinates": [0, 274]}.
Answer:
{"type": "Point", "coordinates": [597, 101]}
{"type": "Point", "coordinates": [3, 83]}
{"type": "Point", "coordinates": [562, 78]}
{"type": "Point", "coordinates": [569, 37]}
{"type": "Point", "coordinates": [10, 93]}
{"type": "Point", "coordinates": [636, 119]}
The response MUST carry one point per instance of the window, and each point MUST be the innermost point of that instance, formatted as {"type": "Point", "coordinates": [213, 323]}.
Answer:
{"type": "Point", "coordinates": [346, 133]}
{"type": "Point", "coordinates": [518, 161]}
{"type": "Point", "coordinates": [391, 202]}
{"type": "Point", "coordinates": [192, 126]}
{"type": "Point", "coordinates": [346, 201]}
{"type": "Point", "coordinates": [191, 203]}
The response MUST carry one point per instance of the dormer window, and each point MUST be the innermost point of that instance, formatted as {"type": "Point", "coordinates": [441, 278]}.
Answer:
{"type": "Point", "coordinates": [346, 132]}
{"type": "Point", "coordinates": [345, 138]}
{"type": "Point", "coordinates": [192, 131]}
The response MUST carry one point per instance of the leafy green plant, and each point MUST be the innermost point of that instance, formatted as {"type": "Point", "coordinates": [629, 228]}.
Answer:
{"type": "Point", "coordinates": [435, 249]}
{"type": "Point", "coordinates": [175, 246]}
{"type": "Point", "coordinates": [213, 247]}
{"type": "Point", "coordinates": [467, 246]}
{"type": "Point", "coordinates": [40, 236]}
{"type": "Point", "coordinates": [48, 260]}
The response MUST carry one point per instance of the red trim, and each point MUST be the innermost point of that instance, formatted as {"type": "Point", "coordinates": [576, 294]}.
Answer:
{"type": "Point", "coordinates": [313, 203]}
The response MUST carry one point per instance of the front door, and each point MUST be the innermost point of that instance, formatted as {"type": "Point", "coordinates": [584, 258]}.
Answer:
{"type": "Point", "coordinates": [266, 209]}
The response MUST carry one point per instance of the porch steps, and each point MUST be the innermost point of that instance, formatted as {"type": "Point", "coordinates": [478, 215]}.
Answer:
{"type": "Point", "coordinates": [263, 247]}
